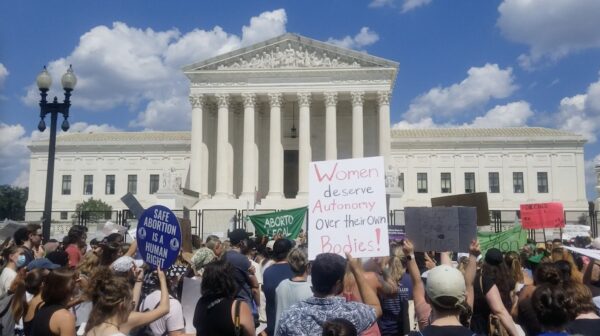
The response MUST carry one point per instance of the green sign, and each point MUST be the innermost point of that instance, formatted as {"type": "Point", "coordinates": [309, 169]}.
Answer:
{"type": "Point", "coordinates": [511, 240]}
{"type": "Point", "coordinates": [288, 223]}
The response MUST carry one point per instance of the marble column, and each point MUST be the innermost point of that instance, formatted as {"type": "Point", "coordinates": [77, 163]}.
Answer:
{"type": "Point", "coordinates": [275, 148]}
{"type": "Point", "coordinates": [197, 172]}
{"type": "Point", "coordinates": [357, 124]}
{"type": "Point", "coordinates": [330, 126]}
{"type": "Point", "coordinates": [383, 100]}
{"type": "Point", "coordinates": [305, 151]}
{"type": "Point", "coordinates": [223, 162]}
{"type": "Point", "coordinates": [250, 162]}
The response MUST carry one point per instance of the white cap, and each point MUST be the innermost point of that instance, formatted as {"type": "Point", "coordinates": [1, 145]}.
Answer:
{"type": "Point", "coordinates": [445, 281]}
{"type": "Point", "coordinates": [270, 244]}
{"type": "Point", "coordinates": [596, 243]}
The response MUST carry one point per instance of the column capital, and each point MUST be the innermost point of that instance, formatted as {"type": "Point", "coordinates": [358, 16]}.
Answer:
{"type": "Point", "coordinates": [357, 97]}
{"type": "Point", "coordinates": [275, 99]}
{"type": "Point", "coordinates": [196, 100]}
{"type": "Point", "coordinates": [249, 99]}
{"type": "Point", "coordinates": [331, 98]}
{"type": "Point", "coordinates": [304, 98]}
{"type": "Point", "coordinates": [383, 97]}
{"type": "Point", "coordinates": [222, 100]}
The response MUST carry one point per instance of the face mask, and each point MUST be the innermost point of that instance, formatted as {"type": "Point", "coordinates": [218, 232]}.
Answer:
{"type": "Point", "coordinates": [21, 261]}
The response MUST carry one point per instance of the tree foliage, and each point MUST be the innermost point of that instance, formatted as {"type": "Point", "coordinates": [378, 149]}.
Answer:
{"type": "Point", "coordinates": [93, 209]}
{"type": "Point", "coordinates": [12, 202]}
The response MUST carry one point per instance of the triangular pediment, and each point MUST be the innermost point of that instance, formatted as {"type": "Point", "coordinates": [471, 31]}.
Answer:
{"type": "Point", "coordinates": [290, 51]}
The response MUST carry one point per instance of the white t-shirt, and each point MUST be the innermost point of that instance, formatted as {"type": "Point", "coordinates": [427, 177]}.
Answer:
{"type": "Point", "coordinates": [170, 322]}
{"type": "Point", "coordinates": [288, 293]}
{"type": "Point", "coordinates": [6, 279]}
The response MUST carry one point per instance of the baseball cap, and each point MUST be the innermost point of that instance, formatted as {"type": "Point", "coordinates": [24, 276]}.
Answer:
{"type": "Point", "coordinates": [42, 263]}
{"type": "Point", "coordinates": [237, 235]}
{"type": "Point", "coordinates": [494, 257]}
{"type": "Point", "coordinates": [445, 281]}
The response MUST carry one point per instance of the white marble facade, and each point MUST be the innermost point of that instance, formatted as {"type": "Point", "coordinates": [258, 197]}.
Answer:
{"type": "Point", "coordinates": [262, 113]}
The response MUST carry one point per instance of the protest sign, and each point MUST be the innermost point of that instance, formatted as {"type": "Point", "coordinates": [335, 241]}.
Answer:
{"type": "Point", "coordinates": [510, 240]}
{"type": "Point", "coordinates": [542, 215]}
{"type": "Point", "coordinates": [189, 299]}
{"type": "Point", "coordinates": [441, 229]}
{"type": "Point", "coordinates": [159, 236]}
{"type": "Point", "coordinates": [570, 231]}
{"type": "Point", "coordinates": [287, 223]}
{"type": "Point", "coordinates": [586, 252]}
{"type": "Point", "coordinates": [347, 208]}
{"type": "Point", "coordinates": [478, 200]}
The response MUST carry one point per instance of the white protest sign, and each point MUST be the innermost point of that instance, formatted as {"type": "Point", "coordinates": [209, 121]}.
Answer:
{"type": "Point", "coordinates": [586, 252]}
{"type": "Point", "coordinates": [189, 298]}
{"type": "Point", "coordinates": [347, 208]}
{"type": "Point", "coordinates": [570, 231]}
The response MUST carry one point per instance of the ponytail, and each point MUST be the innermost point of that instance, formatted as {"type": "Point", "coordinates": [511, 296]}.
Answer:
{"type": "Point", "coordinates": [18, 305]}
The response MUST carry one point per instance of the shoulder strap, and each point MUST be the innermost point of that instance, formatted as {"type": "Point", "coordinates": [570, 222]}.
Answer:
{"type": "Point", "coordinates": [236, 318]}
{"type": "Point", "coordinates": [3, 312]}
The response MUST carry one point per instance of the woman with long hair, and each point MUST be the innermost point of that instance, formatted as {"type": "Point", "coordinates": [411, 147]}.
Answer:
{"type": "Point", "coordinates": [113, 306]}
{"type": "Point", "coordinates": [53, 318]}
{"type": "Point", "coordinates": [560, 253]}
{"type": "Point", "coordinates": [393, 308]}
{"type": "Point", "coordinates": [73, 242]}
{"type": "Point", "coordinates": [215, 313]}
{"type": "Point", "coordinates": [14, 259]}
{"type": "Point", "coordinates": [33, 285]}
{"type": "Point", "coordinates": [583, 313]}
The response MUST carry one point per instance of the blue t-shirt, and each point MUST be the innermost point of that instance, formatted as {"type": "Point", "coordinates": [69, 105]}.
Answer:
{"type": "Point", "coordinates": [241, 264]}
{"type": "Point", "coordinates": [392, 318]}
{"type": "Point", "coordinates": [272, 277]}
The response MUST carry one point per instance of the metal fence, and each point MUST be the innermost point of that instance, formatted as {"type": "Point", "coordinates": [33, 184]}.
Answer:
{"type": "Point", "coordinates": [219, 221]}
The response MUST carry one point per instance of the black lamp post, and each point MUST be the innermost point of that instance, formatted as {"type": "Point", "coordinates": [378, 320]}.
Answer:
{"type": "Point", "coordinates": [44, 81]}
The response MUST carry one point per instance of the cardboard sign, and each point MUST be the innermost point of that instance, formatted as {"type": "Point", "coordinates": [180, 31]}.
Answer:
{"type": "Point", "coordinates": [287, 223]}
{"type": "Point", "coordinates": [586, 252]}
{"type": "Point", "coordinates": [186, 234]}
{"type": "Point", "coordinates": [347, 211]}
{"type": "Point", "coordinates": [159, 236]}
{"type": "Point", "coordinates": [477, 200]}
{"type": "Point", "coordinates": [189, 298]}
{"type": "Point", "coordinates": [509, 240]}
{"type": "Point", "coordinates": [441, 229]}
{"type": "Point", "coordinates": [542, 215]}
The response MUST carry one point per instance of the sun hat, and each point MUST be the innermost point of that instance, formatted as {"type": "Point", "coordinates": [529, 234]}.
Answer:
{"type": "Point", "coordinates": [445, 281]}
{"type": "Point", "coordinates": [201, 257]}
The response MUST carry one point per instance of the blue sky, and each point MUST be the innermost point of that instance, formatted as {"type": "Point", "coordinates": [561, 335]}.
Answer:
{"type": "Point", "coordinates": [462, 63]}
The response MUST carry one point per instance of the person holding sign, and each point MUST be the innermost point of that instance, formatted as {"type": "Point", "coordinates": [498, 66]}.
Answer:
{"type": "Point", "coordinates": [327, 273]}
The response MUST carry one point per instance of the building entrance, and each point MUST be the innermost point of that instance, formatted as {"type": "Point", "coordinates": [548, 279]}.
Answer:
{"type": "Point", "coordinates": [290, 173]}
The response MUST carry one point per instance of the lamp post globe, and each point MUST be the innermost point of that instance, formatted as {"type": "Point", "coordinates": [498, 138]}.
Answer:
{"type": "Point", "coordinates": [54, 108]}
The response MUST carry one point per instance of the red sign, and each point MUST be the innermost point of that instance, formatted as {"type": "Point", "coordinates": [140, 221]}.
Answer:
{"type": "Point", "coordinates": [542, 215]}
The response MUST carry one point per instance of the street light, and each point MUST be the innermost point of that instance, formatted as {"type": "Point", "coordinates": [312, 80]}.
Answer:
{"type": "Point", "coordinates": [44, 81]}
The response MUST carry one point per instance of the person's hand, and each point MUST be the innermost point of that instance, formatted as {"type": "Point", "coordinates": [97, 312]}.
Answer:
{"type": "Point", "coordinates": [474, 248]}
{"type": "Point", "coordinates": [139, 273]}
{"type": "Point", "coordinates": [407, 247]}
{"type": "Point", "coordinates": [354, 263]}
{"type": "Point", "coordinates": [252, 270]}
{"type": "Point", "coordinates": [429, 262]}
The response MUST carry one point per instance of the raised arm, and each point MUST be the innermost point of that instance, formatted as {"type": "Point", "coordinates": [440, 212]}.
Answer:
{"type": "Point", "coordinates": [497, 307]}
{"type": "Point", "coordinates": [137, 319]}
{"type": "Point", "coordinates": [471, 270]}
{"type": "Point", "coordinates": [367, 294]}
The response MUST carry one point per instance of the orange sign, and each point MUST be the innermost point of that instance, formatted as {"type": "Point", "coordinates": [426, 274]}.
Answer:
{"type": "Point", "coordinates": [542, 215]}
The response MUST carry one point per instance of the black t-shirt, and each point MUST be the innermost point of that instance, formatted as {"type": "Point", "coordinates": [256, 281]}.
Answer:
{"type": "Point", "coordinates": [481, 309]}
{"type": "Point", "coordinates": [443, 331]}
{"type": "Point", "coordinates": [585, 327]}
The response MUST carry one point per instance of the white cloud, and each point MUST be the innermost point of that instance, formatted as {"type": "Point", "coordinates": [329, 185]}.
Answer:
{"type": "Point", "coordinates": [365, 37]}
{"type": "Point", "coordinates": [510, 115]}
{"type": "Point", "coordinates": [3, 74]}
{"type": "Point", "coordinates": [423, 123]}
{"type": "Point", "coordinates": [481, 85]}
{"type": "Point", "coordinates": [551, 29]}
{"type": "Point", "coordinates": [143, 74]}
{"type": "Point", "coordinates": [409, 5]}
{"type": "Point", "coordinates": [581, 113]}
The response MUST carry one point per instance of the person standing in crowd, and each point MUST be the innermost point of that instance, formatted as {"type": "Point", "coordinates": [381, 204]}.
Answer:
{"type": "Point", "coordinates": [201, 258]}
{"type": "Point", "coordinates": [214, 244]}
{"type": "Point", "coordinates": [273, 276]}
{"type": "Point", "coordinates": [53, 317]}
{"type": "Point", "coordinates": [243, 272]}
{"type": "Point", "coordinates": [218, 312]}
{"type": "Point", "coordinates": [75, 238]}
{"type": "Point", "coordinates": [582, 311]}
{"type": "Point", "coordinates": [171, 324]}
{"type": "Point", "coordinates": [296, 289]}
{"type": "Point", "coordinates": [492, 294]}
{"type": "Point", "coordinates": [327, 276]}
{"type": "Point", "coordinates": [14, 258]}
{"type": "Point", "coordinates": [30, 239]}
{"type": "Point", "coordinates": [394, 308]}
{"type": "Point", "coordinates": [551, 305]}
{"type": "Point", "coordinates": [445, 292]}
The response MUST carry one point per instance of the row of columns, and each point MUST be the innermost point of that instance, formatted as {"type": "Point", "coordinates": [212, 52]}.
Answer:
{"type": "Point", "coordinates": [199, 179]}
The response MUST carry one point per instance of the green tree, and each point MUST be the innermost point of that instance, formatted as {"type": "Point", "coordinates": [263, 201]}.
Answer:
{"type": "Point", "coordinates": [93, 210]}
{"type": "Point", "coordinates": [12, 202]}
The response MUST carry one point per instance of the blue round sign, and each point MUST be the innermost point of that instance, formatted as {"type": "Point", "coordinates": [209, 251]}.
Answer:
{"type": "Point", "coordinates": [159, 236]}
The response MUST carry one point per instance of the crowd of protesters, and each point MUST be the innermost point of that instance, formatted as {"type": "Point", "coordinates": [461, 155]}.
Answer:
{"type": "Point", "coordinates": [267, 286]}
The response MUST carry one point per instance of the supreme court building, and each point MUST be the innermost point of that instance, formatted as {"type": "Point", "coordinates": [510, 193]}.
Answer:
{"type": "Point", "coordinates": [261, 114]}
